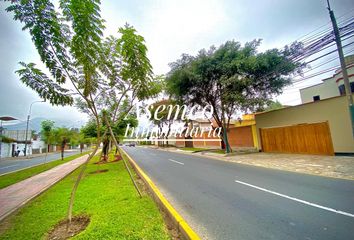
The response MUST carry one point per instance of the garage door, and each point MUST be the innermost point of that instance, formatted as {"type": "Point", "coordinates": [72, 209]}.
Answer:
{"type": "Point", "coordinates": [314, 138]}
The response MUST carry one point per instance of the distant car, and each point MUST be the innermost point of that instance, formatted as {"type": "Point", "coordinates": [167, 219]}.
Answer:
{"type": "Point", "coordinates": [131, 144]}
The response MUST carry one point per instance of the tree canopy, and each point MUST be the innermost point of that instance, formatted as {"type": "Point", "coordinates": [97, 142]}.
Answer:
{"type": "Point", "coordinates": [231, 78]}
{"type": "Point", "coordinates": [98, 72]}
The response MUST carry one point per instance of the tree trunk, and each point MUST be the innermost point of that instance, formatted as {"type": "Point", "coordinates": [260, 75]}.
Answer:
{"type": "Point", "coordinates": [73, 192]}
{"type": "Point", "coordinates": [46, 153]}
{"type": "Point", "coordinates": [62, 150]}
{"type": "Point", "coordinates": [105, 149]}
{"type": "Point", "coordinates": [83, 168]}
{"type": "Point", "coordinates": [226, 140]}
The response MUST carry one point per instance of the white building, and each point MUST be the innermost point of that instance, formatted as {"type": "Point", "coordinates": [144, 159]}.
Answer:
{"type": "Point", "coordinates": [330, 87]}
{"type": "Point", "coordinates": [17, 143]}
{"type": "Point", "coordinates": [39, 146]}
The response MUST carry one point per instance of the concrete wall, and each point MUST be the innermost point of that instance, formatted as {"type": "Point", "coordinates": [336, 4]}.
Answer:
{"type": "Point", "coordinates": [5, 150]}
{"type": "Point", "coordinates": [334, 110]}
{"type": "Point", "coordinates": [325, 90]}
{"type": "Point", "coordinates": [329, 87]}
{"type": "Point", "coordinates": [37, 146]}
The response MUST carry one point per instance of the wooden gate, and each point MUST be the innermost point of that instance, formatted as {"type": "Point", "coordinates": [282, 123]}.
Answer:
{"type": "Point", "coordinates": [314, 138]}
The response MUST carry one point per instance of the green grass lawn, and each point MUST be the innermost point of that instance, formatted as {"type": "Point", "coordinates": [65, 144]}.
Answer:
{"type": "Point", "coordinates": [110, 199]}
{"type": "Point", "coordinates": [18, 176]}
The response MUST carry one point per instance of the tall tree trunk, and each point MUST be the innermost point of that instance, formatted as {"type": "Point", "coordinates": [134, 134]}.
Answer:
{"type": "Point", "coordinates": [224, 129]}
{"type": "Point", "coordinates": [46, 153]}
{"type": "Point", "coordinates": [62, 150]}
{"type": "Point", "coordinates": [81, 173]}
{"type": "Point", "coordinates": [226, 140]}
{"type": "Point", "coordinates": [105, 149]}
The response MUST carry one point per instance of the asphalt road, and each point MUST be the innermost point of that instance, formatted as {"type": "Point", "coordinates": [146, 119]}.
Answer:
{"type": "Point", "coordinates": [235, 201]}
{"type": "Point", "coordinates": [13, 164]}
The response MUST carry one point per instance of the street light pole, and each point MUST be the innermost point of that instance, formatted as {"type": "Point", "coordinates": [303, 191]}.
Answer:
{"type": "Point", "coordinates": [28, 119]}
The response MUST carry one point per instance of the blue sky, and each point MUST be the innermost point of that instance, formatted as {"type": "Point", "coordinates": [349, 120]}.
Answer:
{"type": "Point", "coordinates": [171, 28]}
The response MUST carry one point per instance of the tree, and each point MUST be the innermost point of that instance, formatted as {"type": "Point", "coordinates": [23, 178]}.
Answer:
{"type": "Point", "coordinates": [70, 43]}
{"type": "Point", "coordinates": [273, 105]}
{"type": "Point", "coordinates": [165, 116]}
{"type": "Point", "coordinates": [47, 133]}
{"type": "Point", "coordinates": [119, 127]}
{"type": "Point", "coordinates": [62, 137]}
{"type": "Point", "coordinates": [231, 78]}
{"type": "Point", "coordinates": [81, 140]}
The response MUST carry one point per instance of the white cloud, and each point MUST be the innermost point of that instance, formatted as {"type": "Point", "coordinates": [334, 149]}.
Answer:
{"type": "Point", "coordinates": [175, 27]}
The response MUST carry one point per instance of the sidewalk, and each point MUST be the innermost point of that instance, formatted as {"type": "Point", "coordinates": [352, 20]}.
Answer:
{"type": "Point", "coordinates": [16, 195]}
{"type": "Point", "coordinates": [327, 166]}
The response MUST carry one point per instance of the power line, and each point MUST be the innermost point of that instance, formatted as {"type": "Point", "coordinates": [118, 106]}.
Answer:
{"type": "Point", "coordinates": [326, 62]}
{"type": "Point", "coordinates": [325, 31]}
{"type": "Point", "coordinates": [328, 53]}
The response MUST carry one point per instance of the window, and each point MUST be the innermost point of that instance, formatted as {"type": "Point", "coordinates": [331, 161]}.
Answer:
{"type": "Point", "coordinates": [342, 88]}
{"type": "Point", "coordinates": [316, 98]}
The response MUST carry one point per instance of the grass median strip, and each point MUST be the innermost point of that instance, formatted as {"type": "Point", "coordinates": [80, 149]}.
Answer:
{"type": "Point", "coordinates": [108, 198]}
{"type": "Point", "coordinates": [12, 178]}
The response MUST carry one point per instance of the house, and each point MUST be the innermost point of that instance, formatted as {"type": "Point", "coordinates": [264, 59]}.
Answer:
{"type": "Point", "coordinates": [14, 140]}
{"type": "Point", "coordinates": [38, 145]}
{"type": "Point", "coordinates": [322, 127]}
{"type": "Point", "coordinates": [330, 87]}
{"type": "Point", "coordinates": [241, 134]}
{"type": "Point", "coordinates": [322, 124]}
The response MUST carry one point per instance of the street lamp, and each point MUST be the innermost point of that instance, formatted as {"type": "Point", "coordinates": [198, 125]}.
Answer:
{"type": "Point", "coordinates": [28, 119]}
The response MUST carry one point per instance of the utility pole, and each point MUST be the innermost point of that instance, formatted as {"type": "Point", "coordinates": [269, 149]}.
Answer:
{"type": "Point", "coordinates": [28, 119]}
{"type": "Point", "coordinates": [348, 91]}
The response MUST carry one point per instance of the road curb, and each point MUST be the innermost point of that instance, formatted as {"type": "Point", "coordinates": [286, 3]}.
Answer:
{"type": "Point", "coordinates": [186, 231]}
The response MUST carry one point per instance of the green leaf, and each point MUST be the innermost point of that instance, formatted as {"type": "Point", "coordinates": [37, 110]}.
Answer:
{"type": "Point", "coordinates": [46, 88]}
{"type": "Point", "coordinates": [48, 34]}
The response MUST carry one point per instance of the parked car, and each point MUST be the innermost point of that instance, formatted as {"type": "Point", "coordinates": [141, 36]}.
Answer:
{"type": "Point", "coordinates": [130, 144]}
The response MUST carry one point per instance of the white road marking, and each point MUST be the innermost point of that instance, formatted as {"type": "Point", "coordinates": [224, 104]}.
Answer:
{"type": "Point", "coordinates": [297, 200]}
{"type": "Point", "coordinates": [175, 161]}
{"type": "Point", "coordinates": [9, 166]}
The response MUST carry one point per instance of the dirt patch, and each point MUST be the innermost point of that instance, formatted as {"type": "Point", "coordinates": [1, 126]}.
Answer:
{"type": "Point", "coordinates": [5, 225]}
{"type": "Point", "coordinates": [171, 227]}
{"type": "Point", "coordinates": [99, 171]}
{"type": "Point", "coordinates": [60, 232]}
{"type": "Point", "coordinates": [142, 186]}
